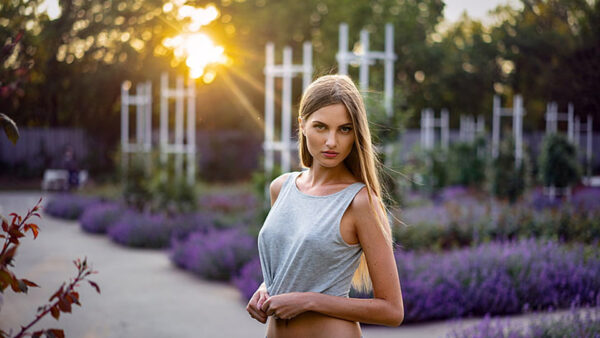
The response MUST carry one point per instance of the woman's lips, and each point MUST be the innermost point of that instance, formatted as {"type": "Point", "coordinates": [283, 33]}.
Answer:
{"type": "Point", "coordinates": [329, 154]}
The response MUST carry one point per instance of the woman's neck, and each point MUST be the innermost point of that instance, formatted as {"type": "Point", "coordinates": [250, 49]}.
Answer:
{"type": "Point", "coordinates": [319, 175]}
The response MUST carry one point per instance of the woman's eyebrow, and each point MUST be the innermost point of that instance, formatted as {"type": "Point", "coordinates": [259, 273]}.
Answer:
{"type": "Point", "coordinates": [341, 125]}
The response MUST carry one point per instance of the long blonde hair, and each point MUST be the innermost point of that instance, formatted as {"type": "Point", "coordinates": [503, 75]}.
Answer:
{"type": "Point", "coordinates": [362, 162]}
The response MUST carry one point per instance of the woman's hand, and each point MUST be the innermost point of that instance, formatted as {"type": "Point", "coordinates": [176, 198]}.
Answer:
{"type": "Point", "coordinates": [287, 305]}
{"type": "Point", "coordinates": [255, 304]}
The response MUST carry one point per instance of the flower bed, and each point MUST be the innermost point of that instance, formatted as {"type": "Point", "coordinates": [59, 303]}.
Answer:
{"type": "Point", "coordinates": [249, 278]}
{"type": "Point", "coordinates": [98, 217]}
{"type": "Point", "coordinates": [582, 324]}
{"type": "Point", "coordinates": [141, 230]}
{"type": "Point", "coordinates": [68, 206]}
{"type": "Point", "coordinates": [497, 278]}
{"type": "Point", "coordinates": [217, 255]}
{"type": "Point", "coordinates": [468, 221]}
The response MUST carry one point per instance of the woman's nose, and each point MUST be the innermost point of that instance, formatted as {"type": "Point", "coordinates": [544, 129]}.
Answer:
{"type": "Point", "coordinates": [331, 141]}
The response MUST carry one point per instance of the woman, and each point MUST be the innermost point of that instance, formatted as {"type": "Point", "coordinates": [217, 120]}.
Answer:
{"type": "Point", "coordinates": [324, 223]}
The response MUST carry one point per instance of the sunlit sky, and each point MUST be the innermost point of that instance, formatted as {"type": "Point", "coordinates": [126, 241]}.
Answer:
{"type": "Point", "coordinates": [476, 9]}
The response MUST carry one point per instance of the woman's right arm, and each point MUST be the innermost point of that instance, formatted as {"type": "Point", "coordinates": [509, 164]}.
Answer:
{"type": "Point", "coordinates": [254, 306]}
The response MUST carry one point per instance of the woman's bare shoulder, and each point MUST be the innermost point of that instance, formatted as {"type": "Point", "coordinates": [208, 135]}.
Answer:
{"type": "Point", "coordinates": [276, 185]}
{"type": "Point", "coordinates": [361, 207]}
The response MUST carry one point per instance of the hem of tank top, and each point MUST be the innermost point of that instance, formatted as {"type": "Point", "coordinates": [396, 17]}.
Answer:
{"type": "Point", "coordinates": [294, 186]}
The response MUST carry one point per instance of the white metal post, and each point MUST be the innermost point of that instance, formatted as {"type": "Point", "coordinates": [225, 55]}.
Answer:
{"type": "Point", "coordinates": [389, 70]}
{"type": "Point", "coordinates": [343, 50]}
{"type": "Point", "coordinates": [496, 126]}
{"type": "Point", "coordinates": [307, 65]}
{"type": "Point", "coordinates": [364, 61]}
{"type": "Point", "coordinates": [570, 114]}
{"type": "Point", "coordinates": [444, 125]}
{"type": "Point", "coordinates": [518, 128]}
{"type": "Point", "coordinates": [269, 108]}
{"type": "Point", "coordinates": [179, 125]}
{"type": "Point", "coordinates": [164, 117]}
{"type": "Point", "coordinates": [286, 110]}
{"type": "Point", "coordinates": [191, 133]}
{"type": "Point", "coordinates": [124, 125]}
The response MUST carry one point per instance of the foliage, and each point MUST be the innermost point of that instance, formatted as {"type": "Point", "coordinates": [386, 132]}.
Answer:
{"type": "Point", "coordinates": [137, 191]}
{"type": "Point", "coordinates": [217, 255]}
{"type": "Point", "coordinates": [141, 230]}
{"type": "Point", "coordinates": [185, 224]}
{"type": "Point", "coordinates": [249, 278]}
{"type": "Point", "coordinates": [466, 163]}
{"type": "Point", "coordinates": [98, 217]}
{"type": "Point", "coordinates": [497, 278]}
{"type": "Point", "coordinates": [462, 221]}
{"type": "Point", "coordinates": [508, 181]}
{"type": "Point", "coordinates": [61, 300]}
{"type": "Point", "coordinates": [435, 175]}
{"type": "Point", "coordinates": [68, 206]}
{"type": "Point", "coordinates": [558, 162]}
{"type": "Point", "coordinates": [584, 323]}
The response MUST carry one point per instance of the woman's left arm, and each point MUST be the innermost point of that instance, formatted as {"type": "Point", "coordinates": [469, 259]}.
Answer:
{"type": "Point", "coordinates": [386, 306]}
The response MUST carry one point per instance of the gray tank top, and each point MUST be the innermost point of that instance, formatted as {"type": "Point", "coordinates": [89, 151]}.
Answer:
{"type": "Point", "coordinates": [300, 245]}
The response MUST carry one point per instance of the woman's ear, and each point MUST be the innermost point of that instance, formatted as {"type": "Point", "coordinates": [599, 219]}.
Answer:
{"type": "Point", "coordinates": [301, 125]}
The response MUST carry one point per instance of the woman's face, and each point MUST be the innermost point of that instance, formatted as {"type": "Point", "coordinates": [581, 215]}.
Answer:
{"type": "Point", "coordinates": [329, 135]}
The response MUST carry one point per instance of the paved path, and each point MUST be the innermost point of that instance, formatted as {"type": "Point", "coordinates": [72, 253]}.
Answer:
{"type": "Point", "coordinates": [143, 294]}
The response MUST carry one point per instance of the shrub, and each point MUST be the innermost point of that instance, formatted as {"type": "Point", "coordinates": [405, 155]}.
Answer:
{"type": "Point", "coordinates": [216, 254]}
{"type": "Point", "coordinates": [68, 206]}
{"type": "Point", "coordinates": [507, 181]}
{"type": "Point", "coordinates": [141, 230]}
{"type": "Point", "coordinates": [497, 278]}
{"type": "Point", "coordinates": [249, 278]}
{"type": "Point", "coordinates": [465, 164]}
{"type": "Point", "coordinates": [98, 217]}
{"type": "Point", "coordinates": [183, 225]}
{"type": "Point", "coordinates": [559, 166]}
{"type": "Point", "coordinates": [575, 323]}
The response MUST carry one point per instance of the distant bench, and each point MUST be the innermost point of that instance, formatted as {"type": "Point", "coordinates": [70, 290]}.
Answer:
{"type": "Point", "coordinates": [58, 179]}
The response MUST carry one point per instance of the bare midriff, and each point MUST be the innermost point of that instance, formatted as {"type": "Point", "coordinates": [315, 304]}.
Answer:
{"type": "Point", "coordinates": [314, 325]}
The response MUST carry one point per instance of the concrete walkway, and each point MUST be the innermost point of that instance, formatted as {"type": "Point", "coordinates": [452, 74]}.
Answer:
{"type": "Point", "coordinates": [143, 293]}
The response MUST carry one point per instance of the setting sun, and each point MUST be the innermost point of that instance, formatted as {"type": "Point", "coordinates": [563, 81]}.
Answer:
{"type": "Point", "coordinates": [196, 48]}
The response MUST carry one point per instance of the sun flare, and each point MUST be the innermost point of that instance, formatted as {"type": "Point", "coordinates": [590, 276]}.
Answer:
{"type": "Point", "coordinates": [196, 48]}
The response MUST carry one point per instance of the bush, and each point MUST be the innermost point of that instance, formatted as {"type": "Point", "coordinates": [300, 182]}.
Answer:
{"type": "Point", "coordinates": [98, 217]}
{"type": "Point", "coordinates": [465, 222]}
{"type": "Point", "coordinates": [249, 278]}
{"type": "Point", "coordinates": [575, 323]}
{"type": "Point", "coordinates": [68, 206]}
{"type": "Point", "coordinates": [184, 225]}
{"type": "Point", "coordinates": [507, 181]}
{"type": "Point", "coordinates": [497, 278]}
{"type": "Point", "coordinates": [559, 166]}
{"type": "Point", "coordinates": [216, 254]}
{"type": "Point", "coordinates": [141, 230]}
{"type": "Point", "coordinates": [465, 165]}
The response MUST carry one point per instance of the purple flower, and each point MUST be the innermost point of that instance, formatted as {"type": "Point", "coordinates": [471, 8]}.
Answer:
{"type": "Point", "coordinates": [68, 206]}
{"type": "Point", "coordinates": [216, 254]}
{"type": "Point", "coordinates": [141, 230]}
{"type": "Point", "coordinates": [496, 278]}
{"type": "Point", "coordinates": [98, 217]}
{"type": "Point", "coordinates": [249, 278]}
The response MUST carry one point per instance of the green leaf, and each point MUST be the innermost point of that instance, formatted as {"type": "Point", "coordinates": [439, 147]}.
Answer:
{"type": "Point", "coordinates": [10, 128]}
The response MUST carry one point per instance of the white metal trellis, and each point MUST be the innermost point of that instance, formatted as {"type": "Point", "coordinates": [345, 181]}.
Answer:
{"type": "Point", "coordinates": [180, 146]}
{"type": "Point", "coordinates": [366, 58]}
{"type": "Point", "coordinates": [517, 112]}
{"type": "Point", "coordinates": [143, 121]}
{"type": "Point", "coordinates": [286, 71]}
{"type": "Point", "coordinates": [428, 125]}
{"type": "Point", "coordinates": [553, 116]}
{"type": "Point", "coordinates": [470, 127]}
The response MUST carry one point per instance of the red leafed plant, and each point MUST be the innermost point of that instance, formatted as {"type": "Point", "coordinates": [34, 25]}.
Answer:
{"type": "Point", "coordinates": [62, 299]}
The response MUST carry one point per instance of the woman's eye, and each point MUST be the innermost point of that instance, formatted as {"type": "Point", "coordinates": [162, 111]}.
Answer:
{"type": "Point", "coordinates": [346, 129]}
{"type": "Point", "coordinates": [319, 126]}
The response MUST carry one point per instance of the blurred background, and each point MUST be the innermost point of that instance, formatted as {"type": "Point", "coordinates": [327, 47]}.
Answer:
{"type": "Point", "coordinates": [490, 143]}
